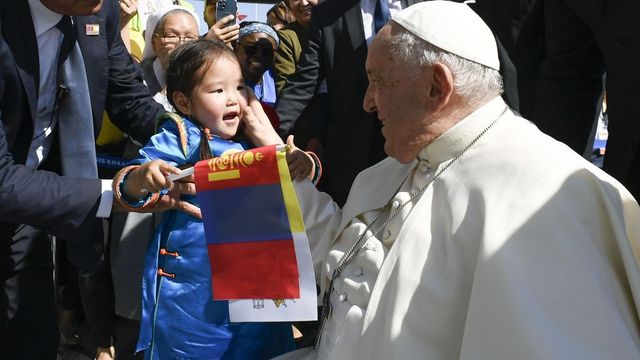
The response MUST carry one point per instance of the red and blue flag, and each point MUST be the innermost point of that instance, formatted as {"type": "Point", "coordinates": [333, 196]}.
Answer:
{"type": "Point", "coordinates": [248, 214]}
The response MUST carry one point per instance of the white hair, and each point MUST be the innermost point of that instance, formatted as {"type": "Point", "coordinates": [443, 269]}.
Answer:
{"type": "Point", "coordinates": [472, 81]}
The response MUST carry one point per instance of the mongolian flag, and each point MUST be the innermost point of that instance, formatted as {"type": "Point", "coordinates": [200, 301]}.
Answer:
{"type": "Point", "coordinates": [250, 212]}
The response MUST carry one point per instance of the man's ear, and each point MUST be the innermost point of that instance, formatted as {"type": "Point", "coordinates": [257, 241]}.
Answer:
{"type": "Point", "coordinates": [442, 86]}
{"type": "Point", "coordinates": [182, 102]}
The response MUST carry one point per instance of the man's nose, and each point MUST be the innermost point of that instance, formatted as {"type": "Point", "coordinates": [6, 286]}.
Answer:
{"type": "Point", "coordinates": [368, 104]}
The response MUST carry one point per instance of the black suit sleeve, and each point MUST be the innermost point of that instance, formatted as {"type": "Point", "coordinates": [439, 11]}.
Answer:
{"type": "Point", "coordinates": [129, 103]}
{"type": "Point", "coordinates": [301, 86]}
{"type": "Point", "coordinates": [64, 206]}
{"type": "Point", "coordinates": [61, 205]}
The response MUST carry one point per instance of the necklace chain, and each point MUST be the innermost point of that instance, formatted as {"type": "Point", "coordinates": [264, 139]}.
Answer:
{"type": "Point", "coordinates": [355, 248]}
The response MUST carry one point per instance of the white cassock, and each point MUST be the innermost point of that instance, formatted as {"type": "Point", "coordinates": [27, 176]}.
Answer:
{"type": "Point", "coordinates": [520, 250]}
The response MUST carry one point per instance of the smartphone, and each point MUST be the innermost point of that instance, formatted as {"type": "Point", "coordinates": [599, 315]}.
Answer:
{"type": "Point", "coordinates": [225, 8]}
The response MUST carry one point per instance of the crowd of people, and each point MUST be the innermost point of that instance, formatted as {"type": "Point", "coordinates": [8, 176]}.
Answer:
{"type": "Point", "coordinates": [457, 215]}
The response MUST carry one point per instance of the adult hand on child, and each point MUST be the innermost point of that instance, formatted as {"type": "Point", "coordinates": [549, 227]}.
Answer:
{"type": "Point", "coordinates": [257, 127]}
{"type": "Point", "coordinates": [172, 200]}
{"type": "Point", "coordinates": [301, 165]}
{"type": "Point", "coordinates": [221, 32]}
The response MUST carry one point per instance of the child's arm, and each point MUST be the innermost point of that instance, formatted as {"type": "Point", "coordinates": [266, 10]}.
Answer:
{"type": "Point", "coordinates": [149, 177]}
{"type": "Point", "coordinates": [302, 164]}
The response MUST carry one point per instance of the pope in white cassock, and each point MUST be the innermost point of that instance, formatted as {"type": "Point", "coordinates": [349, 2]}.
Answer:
{"type": "Point", "coordinates": [479, 237]}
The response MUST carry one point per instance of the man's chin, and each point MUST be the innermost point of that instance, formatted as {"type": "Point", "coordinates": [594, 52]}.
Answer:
{"type": "Point", "coordinates": [92, 10]}
{"type": "Point", "coordinates": [83, 8]}
{"type": "Point", "coordinates": [402, 157]}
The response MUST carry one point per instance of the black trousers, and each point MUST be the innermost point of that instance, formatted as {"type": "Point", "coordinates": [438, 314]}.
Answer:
{"type": "Point", "coordinates": [98, 303]}
{"type": "Point", "coordinates": [28, 318]}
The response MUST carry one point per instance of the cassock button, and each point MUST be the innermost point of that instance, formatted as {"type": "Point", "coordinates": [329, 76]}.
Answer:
{"type": "Point", "coordinates": [395, 204]}
{"type": "Point", "coordinates": [387, 234]}
{"type": "Point", "coordinates": [357, 272]}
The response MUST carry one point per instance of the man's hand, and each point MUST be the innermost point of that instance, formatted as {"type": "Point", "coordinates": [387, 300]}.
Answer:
{"type": "Point", "coordinates": [221, 32]}
{"type": "Point", "coordinates": [172, 201]}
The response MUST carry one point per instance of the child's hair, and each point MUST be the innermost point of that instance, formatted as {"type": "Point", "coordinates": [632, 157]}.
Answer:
{"type": "Point", "coordinates": [182, 75]}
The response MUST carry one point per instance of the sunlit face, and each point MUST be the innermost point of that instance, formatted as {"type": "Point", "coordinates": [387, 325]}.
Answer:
{"type": "Point", "coordinates": [301, 10]}
{"type": "Point", "coordinates": [256, 53]}
{"type": "Point", "coordinates": [73, 7]}
{"type": "Point", "coordinates": [218, 100]}
{"type": "Point", "coordinates": [400, 97]}
{"type": "Point", "coordinates": [174, 30]}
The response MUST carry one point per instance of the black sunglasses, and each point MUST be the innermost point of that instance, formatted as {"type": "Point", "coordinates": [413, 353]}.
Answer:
{"type": "Point", "coordinates": [255, 49]}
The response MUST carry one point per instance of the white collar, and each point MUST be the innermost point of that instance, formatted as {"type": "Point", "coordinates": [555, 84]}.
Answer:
{"type": "Point", "coordinates": [458, 137]}
{"type": "Point", "coordinates": [43, 18]}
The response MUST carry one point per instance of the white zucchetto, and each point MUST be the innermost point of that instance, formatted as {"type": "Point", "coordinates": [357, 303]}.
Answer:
{"type": "Point", "coordinates": [453, 27]}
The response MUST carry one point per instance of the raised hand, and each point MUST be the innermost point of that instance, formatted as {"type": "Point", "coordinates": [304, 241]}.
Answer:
{"type": "Point", "coordinates": [221, 32]}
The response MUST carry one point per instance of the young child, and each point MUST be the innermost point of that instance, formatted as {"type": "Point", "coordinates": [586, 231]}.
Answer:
{"type": "Point", "coordinates": [180, 320]}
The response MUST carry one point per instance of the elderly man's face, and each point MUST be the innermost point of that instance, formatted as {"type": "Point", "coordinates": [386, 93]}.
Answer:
{"type": "Point", "coordinates": [400, 97]}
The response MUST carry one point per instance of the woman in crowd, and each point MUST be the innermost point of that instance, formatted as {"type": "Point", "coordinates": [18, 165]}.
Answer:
{"type": "Point", "coordinates": [255, 50]}
{"type": "Point", "coordinates": [280, 16]}
{"type": "Point", "coordinates": [293, 39]}
{"type": "Point", "coordinates": [310, 129]}
{"type": "Point", "coordinates": [167, 28]}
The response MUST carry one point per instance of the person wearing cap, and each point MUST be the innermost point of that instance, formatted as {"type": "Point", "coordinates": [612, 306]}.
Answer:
{"type": "Point", "coordinates": [479, 237]}
{"type": "Point", "coordinates": [340, 33]}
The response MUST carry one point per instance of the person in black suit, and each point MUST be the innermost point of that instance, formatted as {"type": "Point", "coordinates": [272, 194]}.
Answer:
{"type": "Point", "coordinates": [35, 202]}
{"type": "Point", "coordinates": [337, 52]}
{"type": "Point", "coordinates": [583, 39]}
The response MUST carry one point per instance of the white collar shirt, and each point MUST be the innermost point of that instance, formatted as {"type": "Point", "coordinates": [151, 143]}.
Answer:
{"type": "Point", "coordinates": [49, 39]}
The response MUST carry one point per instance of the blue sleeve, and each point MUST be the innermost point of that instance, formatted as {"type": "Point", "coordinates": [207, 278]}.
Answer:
{"type": "Point", "coordinates": [164, 145]}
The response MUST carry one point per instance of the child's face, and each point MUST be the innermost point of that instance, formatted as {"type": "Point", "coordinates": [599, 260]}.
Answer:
{"type": "Point", "coordinates": [217, 102]}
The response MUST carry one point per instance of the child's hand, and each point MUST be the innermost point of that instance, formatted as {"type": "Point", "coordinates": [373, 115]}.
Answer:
{"type": "Point", "coordinates": [149, 177]}
{"type": "Point", "coordinates": [301, 165]}
{"type": "Point", "coordinates": [257, 127]}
